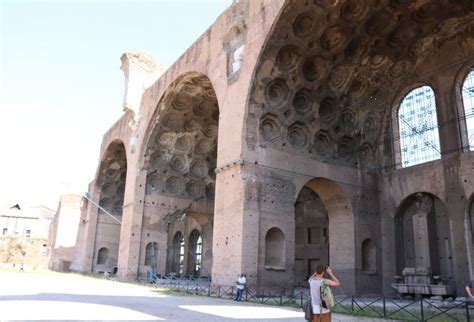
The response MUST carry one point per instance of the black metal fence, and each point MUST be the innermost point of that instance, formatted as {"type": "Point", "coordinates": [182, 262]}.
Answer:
{"type": "Point", "coordinates": [377, 307]}
{"type": "Point", "coordinates": [407, 310]}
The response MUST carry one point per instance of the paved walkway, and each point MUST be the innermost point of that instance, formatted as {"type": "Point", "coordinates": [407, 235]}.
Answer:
{"type": "Point", "coordinates": [51, 296]}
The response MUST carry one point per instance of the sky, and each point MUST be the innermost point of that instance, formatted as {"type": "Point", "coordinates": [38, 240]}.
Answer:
{"type": "Point", "coordinates": [62, 87]}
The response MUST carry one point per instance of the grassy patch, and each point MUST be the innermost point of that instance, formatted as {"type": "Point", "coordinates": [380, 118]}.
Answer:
{"type": "Point", "coordinates": [411, 315]}
{"type": "Point", "coordinates": [168, 291]}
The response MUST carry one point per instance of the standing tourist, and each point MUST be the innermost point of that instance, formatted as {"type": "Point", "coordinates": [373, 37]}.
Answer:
{"type": "Point", "coordinates": [240, 287]}
{"type": "Point", "coordinates": [470, 289]}
{"type": "Point", "coordinates": [321, 314]}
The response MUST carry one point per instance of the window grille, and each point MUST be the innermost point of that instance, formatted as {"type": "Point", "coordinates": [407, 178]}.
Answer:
{"type": "Point", "coordinates": [181, 256]}
{"type": "Point", "coordinates": [418, 127]}
{"type": "Point", "coordinates": [197, 268]}
{"type": "Point", "coordinates": [468, 100]}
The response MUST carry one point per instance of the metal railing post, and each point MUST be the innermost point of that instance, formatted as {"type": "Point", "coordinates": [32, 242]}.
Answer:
{"type": "Point", "coordinates": [468, 318]}
{"type": "Point", "coordinates": [352, 304]}
{"type": "Point", "coordinates": [421, 310]}
{"type": "Point", "coordinates": [384, 308]}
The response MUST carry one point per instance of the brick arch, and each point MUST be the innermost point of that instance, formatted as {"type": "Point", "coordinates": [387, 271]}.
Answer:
{"type": "Point", "coordinates": [109, 188]}
{"type": "Point", "coordinates": [180, 144]}
{"type": "Point", "coordinates": [347, 56]}
{"type": "Point", "coordinates": [423, 235]}
{"type": "Point", "coordinates": [275, 251]}
{"type": "Point", "coordinates": [341, 234]}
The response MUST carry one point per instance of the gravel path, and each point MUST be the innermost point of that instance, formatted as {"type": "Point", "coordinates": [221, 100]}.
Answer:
{"type": "Point", "coordinates": [51, 296]}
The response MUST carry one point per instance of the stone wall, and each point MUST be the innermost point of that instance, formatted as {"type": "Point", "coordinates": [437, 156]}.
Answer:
{"type": "Point", "coordinates": [32, 252]}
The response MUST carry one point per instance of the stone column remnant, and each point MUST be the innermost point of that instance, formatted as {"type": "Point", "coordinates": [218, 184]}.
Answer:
{"type": "Point", "coordinates": [141, 71]}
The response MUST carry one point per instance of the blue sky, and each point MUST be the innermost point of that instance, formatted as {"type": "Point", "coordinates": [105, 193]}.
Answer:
{"type": "Point", "coordinates": [62, 87]}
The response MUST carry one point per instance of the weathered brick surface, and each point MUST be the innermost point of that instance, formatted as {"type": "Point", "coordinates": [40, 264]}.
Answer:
{"type": "Point", "coordinates": [282, 97]}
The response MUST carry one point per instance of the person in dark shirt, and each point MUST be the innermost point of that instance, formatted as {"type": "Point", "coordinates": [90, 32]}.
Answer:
{"type": "Point", "coordinates": [470, 289]}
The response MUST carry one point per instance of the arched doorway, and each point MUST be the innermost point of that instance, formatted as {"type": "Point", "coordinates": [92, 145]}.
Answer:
{"type": "Point", "coordinates": [110, 184]}
{"type": "Point", "coordinates": [423, 236]}
{"type": "Point", "coordinates": [151, 256]}
{"type": "Point", "coordinates": [176, 255]}
{"type": "Point", "coordinates": [324, 232]}
{"type": "Point", "coordinates": [311, 235]}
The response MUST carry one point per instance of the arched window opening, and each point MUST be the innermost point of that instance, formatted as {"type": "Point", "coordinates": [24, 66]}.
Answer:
{"type": "Point", "coordinates": [195, 260]}
{"type": "Point", "coordinates": [418, 126]}
{"type": "Point", "coordinates": [181, 256]}
{"type": "Point", "coordinates": [177, 264]}
{"type": "Point", "coordinates": [150, 254]}
{"type": "Point", "coordinates": [102, 256]}
{"type": "Point", "coordinates": [468, 102]}
{"type": "Point", "coordinates": [369, 257]}
{"type": "Point", "coordinates": [275, 249]}
{"type": "Point", "coordinates": [197, 267]}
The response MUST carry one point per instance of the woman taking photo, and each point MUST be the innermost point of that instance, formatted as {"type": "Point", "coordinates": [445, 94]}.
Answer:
{"type": "Point", "coordinates": [321, 314]}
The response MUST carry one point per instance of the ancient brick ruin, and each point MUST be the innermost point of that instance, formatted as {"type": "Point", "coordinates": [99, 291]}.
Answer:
{"type": "Point", "coordinates": [293, 133]}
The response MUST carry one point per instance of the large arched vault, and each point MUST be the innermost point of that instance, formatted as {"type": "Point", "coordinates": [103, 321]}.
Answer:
{"type": "Point", "coordinates": [328, 73]}
{"type": "Point", "coordinates": [181, 152]}
{"type": "Point", "coordinates": [179, 162]}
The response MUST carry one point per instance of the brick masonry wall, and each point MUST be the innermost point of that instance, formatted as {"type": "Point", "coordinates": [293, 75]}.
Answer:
{"type": "Point", "coordinates": [29, 251]}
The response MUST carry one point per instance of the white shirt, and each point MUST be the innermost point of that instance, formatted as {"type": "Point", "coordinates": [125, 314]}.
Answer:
{"type": "Point", "coordinates": [241, 283]}
{"type": "Point", "coordinates": [314, 286]}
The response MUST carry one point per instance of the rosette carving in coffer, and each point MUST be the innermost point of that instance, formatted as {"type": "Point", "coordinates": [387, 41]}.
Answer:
{"type": "Point", "coordinates": [277, 92]}
{"type": "Point", "coordinates": [194, 188]}
{"type": "Point", "coordinates": [298, 135]}
{"type": "Point", "coordinates": [288, 57]}
{"type": "Point", "coordinates": [198, 168]}
{"type": "Point", "coordinates": [174, 185]}
{"type": "Point", "coordinates": [323, 142]}
{"type": "Point", "coordinates": [178, 163]}
{"type": "Point", "coordinates": [270, 127]}
{"type": "Point", "coordinates": [302, 102]}
{"type": "Point", "coordinates": [333, 38]}
{"type": "Point", "coordinates": [304, 24]}
{"type": "Point", "coordinates": [354, 10]}
{"type": "Point", "coordinates": [315, 68]}
{"type": "Point", "coordinates": [158, 159]}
